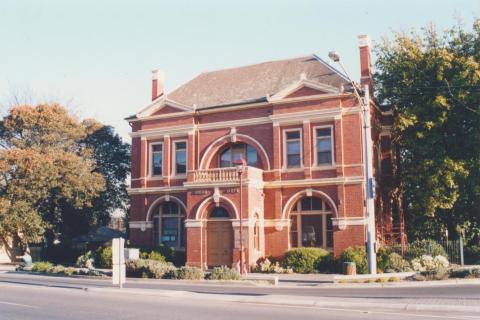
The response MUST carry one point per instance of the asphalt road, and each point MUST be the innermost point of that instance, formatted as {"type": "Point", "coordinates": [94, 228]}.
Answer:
{"type": "Point", "coordinates": [28, 302]}
{"type": "Point", "coordinates": [461, 292]}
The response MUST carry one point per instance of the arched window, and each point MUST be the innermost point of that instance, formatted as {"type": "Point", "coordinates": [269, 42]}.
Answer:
{"type": "Point", "coordinates": [219, 212]}
{"type": "Point", "coordinates": [311, 223]}
{"type": "Point", "coordinates": [235, 152]}
{"type": "Point", "coordinates": [169, 225]}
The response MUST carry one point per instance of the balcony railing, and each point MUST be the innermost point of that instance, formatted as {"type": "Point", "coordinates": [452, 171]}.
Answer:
{"type": "Point", "coordinates": [230, 174]}
{"type": "Point", "coordinates": [216, 175]}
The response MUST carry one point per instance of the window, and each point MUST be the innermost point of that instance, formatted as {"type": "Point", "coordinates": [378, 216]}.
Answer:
{"type": "Point", "coordinates": [293, 148]}
{"type": "Point", "coordinates": [311, 224]}
{"type": "Point", "coordinates": [157, 159]}
{"type": "Point", "coordinates": [169, 225]}
{"type": "Point", "coordinates": [180, 157]}
{"type": "Point", "coordinates": [219, 212]}
{"type": "Point", "coordinates": [324, 146]}
{"type": "Point", "coordinates": [235, 152]}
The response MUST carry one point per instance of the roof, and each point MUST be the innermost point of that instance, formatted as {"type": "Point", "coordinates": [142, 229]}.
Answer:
{"type": "Point", "coordinates": [255, 82]}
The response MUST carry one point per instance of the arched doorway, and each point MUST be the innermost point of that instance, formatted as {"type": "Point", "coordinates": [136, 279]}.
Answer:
{"type": "Point", "coordinates": [219, 238]}
{"type": "Point", "coordinates": [169, 225]}
{"type": "Point", "coordinates": [311, 224]}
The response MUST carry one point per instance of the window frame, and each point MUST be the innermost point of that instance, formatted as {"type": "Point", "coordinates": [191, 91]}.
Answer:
{"type": "Point", "coordinates": [230, 147]}
{"type": "Point", "coordinates": [150, 169]}
{"type": "Point", "coordinates": [332, 143]}
{"type": "Point", "coordinates": [180, 215]}
{"type": "Point", "coordinates": [174, 158]}
{"type": "Point", "coordinates": [285, 150]}
{"type": "Point", "coordinates": [298, 212]}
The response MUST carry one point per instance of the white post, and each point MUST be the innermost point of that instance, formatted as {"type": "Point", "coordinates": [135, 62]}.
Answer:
{"type": "Point", "coordinates": [118, 262]}
{"type": "Point", "coordinates": [369, 185]}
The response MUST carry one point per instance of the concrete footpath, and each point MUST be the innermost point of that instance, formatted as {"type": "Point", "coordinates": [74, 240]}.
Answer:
{"type": "Point", "coordinates": [409, 304]}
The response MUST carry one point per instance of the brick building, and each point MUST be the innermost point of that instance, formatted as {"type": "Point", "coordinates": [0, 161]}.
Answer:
{"type": "Point", "coordinates": [298, 125]}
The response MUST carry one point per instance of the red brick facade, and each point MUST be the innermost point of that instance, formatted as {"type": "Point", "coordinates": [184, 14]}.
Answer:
{"type": "Point", "coordinates": [271, 191]}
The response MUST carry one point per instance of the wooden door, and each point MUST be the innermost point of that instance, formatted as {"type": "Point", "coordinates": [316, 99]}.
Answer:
{"type": "Point", "coordinates": [219, 243]}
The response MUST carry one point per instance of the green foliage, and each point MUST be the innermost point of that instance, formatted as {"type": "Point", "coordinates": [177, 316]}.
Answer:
{"type": "Point", "coordinates": [472, 255]}
{"type": "Point", "coordinates": [104, 257]}
{"type": "Point", "coordinates": [431, 80]}
{"type": "Point", "coordinates": [144, 268]}
{"type": "Point", "coordinates": [327, 264]}
{"type": "Point", "coordinates": [224, 273]}
{"type": "Point", "coordinates": [86, 260]}
{"type": "Point", "coordinates": [164, 253]}
{"type": "Point", "coordinates": [358, 256]}
{"type": "Point", "coordinates": [303, 260]}
{"type": "Point", "coordinates": [418, 248]}
{"type": "Point", "coordinates": [188, 273]}
{"type": "Point", "coordinates": [397, 264]}
{"type": "Point", "coordinates": [42, 266]}
{"type": "Point", "coordinates": [382, 258]}
{"type": "Point", "coordinates": [57, 269]}
{"type": "Point", "coordinates": [266, 266]}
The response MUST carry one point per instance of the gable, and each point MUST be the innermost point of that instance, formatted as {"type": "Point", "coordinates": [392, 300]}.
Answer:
{"type": "Point", "coordinates": [167, 109]}
{"type": "Point", "coordinates": [305, 91]}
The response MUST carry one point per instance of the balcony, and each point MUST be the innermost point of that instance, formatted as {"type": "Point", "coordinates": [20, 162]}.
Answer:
{"type": "Point", "coordinates": [224, 175]}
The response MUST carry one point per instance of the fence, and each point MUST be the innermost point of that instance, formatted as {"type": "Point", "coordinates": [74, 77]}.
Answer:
{"type": "Point", "coordinates": [453, 249]}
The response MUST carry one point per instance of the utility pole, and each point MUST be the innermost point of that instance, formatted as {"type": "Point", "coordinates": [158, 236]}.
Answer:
{"type": "Point", "coordinates": [241, 169]}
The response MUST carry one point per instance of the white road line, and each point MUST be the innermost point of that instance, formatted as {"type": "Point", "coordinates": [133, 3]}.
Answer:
{"type": "Point", "coordinates": [18, 304]}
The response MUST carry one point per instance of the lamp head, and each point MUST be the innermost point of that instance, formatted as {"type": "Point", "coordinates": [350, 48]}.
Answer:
{"type": "Point", "coordinates": [334, 56]}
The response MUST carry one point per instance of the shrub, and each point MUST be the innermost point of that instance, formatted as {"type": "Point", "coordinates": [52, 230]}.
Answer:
{"type": "Point", "coordinates": [382, 259]}
{"type": "Point", "coordinates": [57, 269]}
{"type": "Point", "coordinates": [42, 266]}
{"type": "Point", "coordinates": [144, 268]}
{"type": "Point", "coordinates": [69, 271]}
{"type": "Point", "coordinates": [156, 256]}
{"type": "Point", "coordinates": [418, 248]}
{"type": "Point", "coordinates": [465, 273]}
{"type": "Point", "coordinates": [327, 264]}
{"type": "Point", "coordinates": [439, 264]}
{"type": "Point", "coordinates": [358, 255]}
{"type": "Point", "coordinates": [303, 260]}
{"type": "Point", "coordinates": [224, 273]}
{"type": "Point", "coordinates": [188, 273]}
{"type": "Point", "coordinates": [396, 263]}
{"type": "Point", "coordinates": [176, 257]}
{"type": "Point", "coordinates": [104, 257]}
{"type": "Point", "coordinates": [266, 266]}
{"type": "Point", "coordinates": [472, 255]}
{"type": "Point", "coordinates": [86, 260]}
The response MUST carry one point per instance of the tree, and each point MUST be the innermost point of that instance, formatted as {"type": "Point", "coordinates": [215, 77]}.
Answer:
{"type": "Point", "coordinates": [43, 167]}
{"type": "Point", "coordinates": [432, 81]}
{"type": "Point", "coordinates": [112, 158]}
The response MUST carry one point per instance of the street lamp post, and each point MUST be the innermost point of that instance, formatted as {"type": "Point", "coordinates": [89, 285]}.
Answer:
{"type": "Point", "coordinates": [369, 180]}
{"type": "Point", "coordinates": [241, 163]}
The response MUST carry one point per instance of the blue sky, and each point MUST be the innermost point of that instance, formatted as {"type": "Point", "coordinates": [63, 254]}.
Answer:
{"type": "Point", "coordinates": [96, 56]}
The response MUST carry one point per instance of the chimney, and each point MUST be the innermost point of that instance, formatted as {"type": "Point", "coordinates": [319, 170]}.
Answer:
{"type": "Point", "coordinates": [157, 84]}
{"type": "Point", "coordinates": [365, 61]}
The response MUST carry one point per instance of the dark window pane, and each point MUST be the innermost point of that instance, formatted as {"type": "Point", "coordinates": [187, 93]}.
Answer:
{"type": "Point", "coordinates": [181, 162]}
{"type": "Point", "coordinates": [181, 145]}
{"type": "Point", "coordinates": [307, 204]}
{"type": "Point", "coordinates": [225, 158]}
{"type": "Point", "coordinates": [169, 208]}
{"type": "Point", "coordinates": [251, 156]}
{"type": "Point", "coordinates": [293, 232]}
{"type": "Point", "coordinates": [329, 231]}
{"type": "Point", "coordinates": [170, 232]}
{"type": "Point", "coordinates": [316, 204]}
{"type": "Point", "coordinates": [293, 147]}
{"type": "Point", "coordinates": [324, 157]}
{"type": "Point", "coordinates": [157, 147]}
{"type": "Point", "coordinates": [157, 163]}
{"type": "Point", "coordinates": [219, 212]}
{"type": "Point", "coordinates": [323, 132]}
{"type": "Point", "coordinates": [312, 231]}
{"type": "Point", "coordinates": [293, 135]}
{"type": "Point", "coordinates": [293, 160]}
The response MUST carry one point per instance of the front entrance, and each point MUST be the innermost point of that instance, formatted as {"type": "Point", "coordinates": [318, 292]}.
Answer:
{"type": "Point", "coordinates": [219, 239]}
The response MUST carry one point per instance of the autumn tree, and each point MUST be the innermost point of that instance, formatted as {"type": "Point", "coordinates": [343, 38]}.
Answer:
{"type": "Point", "coordinates": [432, 81]}
{"type": "Point", "coordinates": [50, 161]}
